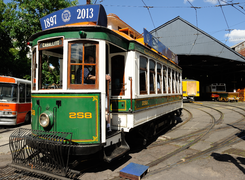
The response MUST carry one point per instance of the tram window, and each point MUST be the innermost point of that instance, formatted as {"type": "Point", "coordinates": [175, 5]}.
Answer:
{"type": "Point", "coordinates": [169, 80]}
{"type": "Point", "coordinates": [82, 66]}
{"type": "Point", "coordinates": [165, 81]}
{"type": "Point", "coordinates": [152, 77]}
{"type": "Point", "coordinates": [50, 67]}
{"type": "Point", "coordinates": [159, 78]}
{"type": "Point", "coordinates": [178, 83]}
{"type": "Point", "coordinates": [22, 93]}
{"type": "Point", "coordinates": [173, 81]}
{"type": "Point", "coordinates": [143, 75]}
{"type": "Point", "coordinates": [117, 77]}
{"type": "Point", "coordinates": [34, 70]}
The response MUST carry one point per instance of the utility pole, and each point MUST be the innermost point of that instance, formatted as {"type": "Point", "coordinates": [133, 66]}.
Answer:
{"type": "Point", "coordinates": [88, 1]}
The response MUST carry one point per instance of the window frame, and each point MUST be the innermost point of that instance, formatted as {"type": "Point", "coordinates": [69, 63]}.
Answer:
{"type": "Point", "coordinates": [165, 78]}
{"type": "Point", "coordinates": [143, 92]}
{"type": "Point", "coordinates": [160, 78]}
{"type": "Point", "coordinates": [40, 59]}
{"type": "Point", "coordinates": [83, 86]}
{"type": "Point", "coordinates": [34, 69]}
{"type": "Point", "coordinates": [154, 76]}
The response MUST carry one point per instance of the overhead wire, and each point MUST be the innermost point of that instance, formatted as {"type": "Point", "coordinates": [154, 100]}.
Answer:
{"type": "Point", "coordinates": [150, 15]}
{"type": "Point", "coordinates": [238, 9]}
{"type": "Point", "coordinates": [151, 7]}
{"type": "Point", "coordinates": [196, 26]}
{"type": "Point", "coordinates": [226, 24]}
{"type": "Point", "coordinates": [169, 7]}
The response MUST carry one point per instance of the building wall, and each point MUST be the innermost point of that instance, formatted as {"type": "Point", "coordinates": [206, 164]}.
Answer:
{"type": "Point", "coordinates": [241, 48]}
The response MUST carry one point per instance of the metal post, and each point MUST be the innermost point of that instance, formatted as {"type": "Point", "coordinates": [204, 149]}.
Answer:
{"type": "Point", "coordinates": [108, 104]}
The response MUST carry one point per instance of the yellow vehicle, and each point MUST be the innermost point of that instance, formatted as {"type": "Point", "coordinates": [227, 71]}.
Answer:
{"type": "Point", "coordinates": [190, 89]}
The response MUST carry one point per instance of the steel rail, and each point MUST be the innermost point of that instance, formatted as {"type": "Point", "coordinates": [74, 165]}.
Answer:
{"type": "Point", "coordinates": [205, 132]}
{"type": "Point", "coordinates": [234, 138]}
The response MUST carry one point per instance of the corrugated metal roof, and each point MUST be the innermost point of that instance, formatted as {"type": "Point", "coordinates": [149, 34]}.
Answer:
{"type": "Point", "coordinates": [183, 38]}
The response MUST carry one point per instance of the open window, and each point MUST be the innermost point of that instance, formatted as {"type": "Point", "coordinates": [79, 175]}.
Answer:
{"type": "Point", "coordinates": [50, 64]}
{"type": "Point", "coordinates": [165, 81]}
{"type": "Point", "coordinates": [143, 75]}
{"type": "Point", "coordinates": [159, 78]}
{"type": "Point", "coordinates": [169, 80]}
{"type": "Point", "coordinates": [173, 81]}
{"type": "Point", "coordinates": [152, 77]}
{"type": "Point", "coordinates": [83, 65]}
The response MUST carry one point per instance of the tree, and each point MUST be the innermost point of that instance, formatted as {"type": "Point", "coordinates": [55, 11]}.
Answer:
{"type": "Point", "coordinates": [6, 55]}
{"type": "Point", "coordinates": [21, 18]}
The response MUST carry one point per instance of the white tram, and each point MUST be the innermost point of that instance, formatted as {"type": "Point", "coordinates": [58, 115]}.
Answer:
{"type": "Point", "coordinates": [145, 84]}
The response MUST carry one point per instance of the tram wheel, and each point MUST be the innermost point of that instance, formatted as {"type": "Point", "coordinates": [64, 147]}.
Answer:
{"type": "Point", "coordinates": [178, 112]}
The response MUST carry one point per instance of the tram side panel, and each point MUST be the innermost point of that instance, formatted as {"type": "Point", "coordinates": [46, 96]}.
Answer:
{"type": "Point", "coordinates": [145, 107]}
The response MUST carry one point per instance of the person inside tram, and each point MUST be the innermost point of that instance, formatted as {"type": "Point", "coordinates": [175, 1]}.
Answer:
{"type": "Point", "coordinates": [89, 71]}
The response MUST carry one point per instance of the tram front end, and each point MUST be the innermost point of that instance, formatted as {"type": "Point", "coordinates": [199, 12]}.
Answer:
{"type": "Point", "coordinates": [63, 125]}
{"type": "Point", "coordinates": [68, 105]}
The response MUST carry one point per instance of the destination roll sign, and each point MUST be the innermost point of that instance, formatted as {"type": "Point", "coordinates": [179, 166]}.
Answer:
{"type": "Point", "coordinates": [50, 44]}
{"type": "Point", "coordinates": [83, 13]}
{"type": "Point", "coordinates": [157, 45]}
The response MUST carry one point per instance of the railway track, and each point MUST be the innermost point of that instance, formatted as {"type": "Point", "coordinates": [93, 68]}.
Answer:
{"type": "Point", "coordinates": [227, 141]}
{"type": "Point", "coordinates": [216, 124]}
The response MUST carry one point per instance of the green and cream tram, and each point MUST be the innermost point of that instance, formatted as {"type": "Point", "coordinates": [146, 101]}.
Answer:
{"type": "Point", "coordinates": [79, 42]}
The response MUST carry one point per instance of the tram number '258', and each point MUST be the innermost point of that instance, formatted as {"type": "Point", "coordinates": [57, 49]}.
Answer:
{"type": "Point", "coordinates": [80, 115]}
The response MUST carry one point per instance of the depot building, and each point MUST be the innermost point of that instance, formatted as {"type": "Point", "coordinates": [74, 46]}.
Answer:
{"type": "Point", "coordinates": [202, 57]}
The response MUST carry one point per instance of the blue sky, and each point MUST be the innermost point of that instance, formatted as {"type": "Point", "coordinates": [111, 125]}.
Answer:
{"type": "Point", "coordinates": [227, 24]}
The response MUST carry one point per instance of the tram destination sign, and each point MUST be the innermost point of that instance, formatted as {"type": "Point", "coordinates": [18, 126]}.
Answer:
{"type": "Point", "coordinates": [83, 13]}
{"type": "Point", "coordinates": [157, 45]}
{"type": "Point", "coordinates": [50, 44]}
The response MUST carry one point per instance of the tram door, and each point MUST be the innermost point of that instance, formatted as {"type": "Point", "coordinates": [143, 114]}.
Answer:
{"type": "Point", "coordinates": [117, 79]}
{"type": "Point", "coordinates": [117, 76]}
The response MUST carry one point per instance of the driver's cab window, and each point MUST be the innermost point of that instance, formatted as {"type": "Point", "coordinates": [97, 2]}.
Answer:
{"type": "Point", "coordinates": [83, 65]}
{"type": "Point", "coordinates": [50, 64]}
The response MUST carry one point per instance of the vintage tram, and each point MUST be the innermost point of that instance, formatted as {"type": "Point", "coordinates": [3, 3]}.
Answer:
{"type": "Point", "coordinates": [217, 92]}
{"type": "Point", "coordinates": [73, 101]}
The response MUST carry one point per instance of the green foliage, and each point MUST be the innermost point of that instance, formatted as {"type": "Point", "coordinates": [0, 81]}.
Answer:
{"type": "Point", "coordinates": [6, 56]}
{"type": "Point", "coordinates": [19, 20]}
{"type": "Point", "coordinates": [50, 71]}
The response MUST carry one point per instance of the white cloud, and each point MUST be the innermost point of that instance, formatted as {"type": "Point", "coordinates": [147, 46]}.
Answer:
{"type": "Point", "coordinates": [236, 36]}
{"type": "Point", "coordinates": [185, 1]}
{"type": "Point", "coordinates": [211, 1]}
{"type": "Point", "coordinates": [215, 1]}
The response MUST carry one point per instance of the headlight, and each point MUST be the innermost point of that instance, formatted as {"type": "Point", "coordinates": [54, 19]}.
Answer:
{"type": "Point", "coordinates": [44, 120]}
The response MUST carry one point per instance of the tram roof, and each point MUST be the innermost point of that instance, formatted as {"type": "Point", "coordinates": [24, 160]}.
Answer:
{"type": "Point", "coordinates": [94, 18]}
{"type": "Point", "coordinates": [179, 35]}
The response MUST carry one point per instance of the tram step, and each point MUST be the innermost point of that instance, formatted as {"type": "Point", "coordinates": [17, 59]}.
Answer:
{"type": "Point", "coordinates": [114, 152]}
{"type": "Point", "coordinates": [134, 171]}
{"type": "Point", "coordinates": [118, 152]}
